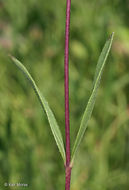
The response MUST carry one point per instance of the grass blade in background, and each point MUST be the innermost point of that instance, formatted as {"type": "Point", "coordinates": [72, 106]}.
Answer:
{"type": "Point", "coordinates": [51, 118]}
{"type": "Point", "coordinates": [91, 102]}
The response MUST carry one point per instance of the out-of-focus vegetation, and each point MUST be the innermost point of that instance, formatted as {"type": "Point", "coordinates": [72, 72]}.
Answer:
{"type": "Point", "coordinates": [33, 31]}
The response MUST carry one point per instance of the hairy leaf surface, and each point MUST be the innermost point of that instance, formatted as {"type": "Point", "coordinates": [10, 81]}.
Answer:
{"type": "Point", "coordinates": [91, 102]}
{"type": "Point", "coordinates": [51, 118]}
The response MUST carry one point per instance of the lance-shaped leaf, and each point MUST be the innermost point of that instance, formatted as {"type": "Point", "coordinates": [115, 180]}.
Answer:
{"type": "Point", "coordinates": [91, 102]}
{"type": "Point", "coordinates": [51, 118]}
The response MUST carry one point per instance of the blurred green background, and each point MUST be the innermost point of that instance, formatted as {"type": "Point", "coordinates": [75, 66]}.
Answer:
{"type": "Point", "coordinates": [33, 31]}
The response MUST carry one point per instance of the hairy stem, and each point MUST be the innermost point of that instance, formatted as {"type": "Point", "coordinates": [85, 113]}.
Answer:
{"type": "Point", "coordinates": [67, 177]}
{"type": "Point", "coordinates": [66, 70]}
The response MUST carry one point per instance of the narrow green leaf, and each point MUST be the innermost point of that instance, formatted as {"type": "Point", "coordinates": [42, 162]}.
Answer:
{"type": "Point", "coordinates": [51, 118]}
{"type": "Point", "coordinates": [91, 102]}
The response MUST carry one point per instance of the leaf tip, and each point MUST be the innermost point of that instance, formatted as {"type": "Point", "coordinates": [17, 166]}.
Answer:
{"type": "Point", "coordinates": [111, 36]}
{"type": "Point", "coordinates": [11, 57]}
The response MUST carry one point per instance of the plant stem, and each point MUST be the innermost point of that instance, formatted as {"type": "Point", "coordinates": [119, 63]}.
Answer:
{"type": "Point", "coordinates": [66, 70]}
{"type": "Point", "coordinates": [67, 177]}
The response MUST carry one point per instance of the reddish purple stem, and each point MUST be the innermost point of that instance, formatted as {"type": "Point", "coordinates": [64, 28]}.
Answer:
{"type": "Point", "coordinates": [67, 178]}
{"type": "Point", "coordinates": [66, 69]}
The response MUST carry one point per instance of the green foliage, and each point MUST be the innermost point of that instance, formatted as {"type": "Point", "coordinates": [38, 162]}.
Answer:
{"type": "Point", "coordinates": [51, 118]}
{"type": "Point", "coordinates": [91, 101]}
{"type": "Point", "coordinates": [33, 31]}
